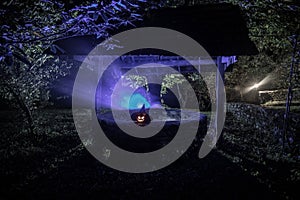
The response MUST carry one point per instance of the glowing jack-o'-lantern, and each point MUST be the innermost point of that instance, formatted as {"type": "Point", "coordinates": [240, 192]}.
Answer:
{"type": "Point", "coordinates": [141, 118]}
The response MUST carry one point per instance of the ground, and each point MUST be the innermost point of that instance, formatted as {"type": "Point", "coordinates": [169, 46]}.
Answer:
{"type": "Point", "coordinates": [248, 163]}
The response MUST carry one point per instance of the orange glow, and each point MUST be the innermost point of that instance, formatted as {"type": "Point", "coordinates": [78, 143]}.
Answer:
{"type": "Point", "coordinates": [140, 118]}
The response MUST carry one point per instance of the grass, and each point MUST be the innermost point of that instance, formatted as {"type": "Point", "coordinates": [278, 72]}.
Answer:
{"type": "Point", "coordinates": [57, 166]}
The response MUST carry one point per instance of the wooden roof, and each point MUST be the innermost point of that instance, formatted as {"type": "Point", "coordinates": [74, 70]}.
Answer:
{"type": "Point", "coordinates": [219, 28]}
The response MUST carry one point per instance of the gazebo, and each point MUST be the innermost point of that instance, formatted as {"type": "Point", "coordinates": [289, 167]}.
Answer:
{"type": "Point", "coordinates": [219, 28]}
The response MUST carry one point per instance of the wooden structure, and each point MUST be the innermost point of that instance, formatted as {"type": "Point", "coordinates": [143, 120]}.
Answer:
{"type": "Point", "coordinates": [219, 28]}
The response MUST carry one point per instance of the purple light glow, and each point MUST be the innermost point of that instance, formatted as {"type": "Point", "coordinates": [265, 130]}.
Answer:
{"type": "Point", "coordinates": [127, 96]}
{"type": "Point", "coordinates": [131, 102]}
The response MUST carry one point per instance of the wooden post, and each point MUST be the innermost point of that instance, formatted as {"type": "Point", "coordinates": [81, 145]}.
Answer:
{"type": "Point", "coordinates": [219, 99]}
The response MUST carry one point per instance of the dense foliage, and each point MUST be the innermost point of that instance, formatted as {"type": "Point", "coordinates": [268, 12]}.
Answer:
{"type": "Point", "coordinates": [272, 24]}
{"type": "Point", "coordinates": [29, 28]}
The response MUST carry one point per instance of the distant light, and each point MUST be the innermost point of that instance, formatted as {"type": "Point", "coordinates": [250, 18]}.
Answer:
{"type": "Point", "coordinates": [256, 85]}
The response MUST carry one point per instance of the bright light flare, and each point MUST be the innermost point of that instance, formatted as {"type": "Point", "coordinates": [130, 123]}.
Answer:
{"type": "Point", "coordinates": [257, 85]}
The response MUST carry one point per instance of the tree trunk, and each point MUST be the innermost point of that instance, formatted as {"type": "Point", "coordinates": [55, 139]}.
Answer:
{"type": "Point", "coordinates": [154, 90]}
{"type": "Point", "coordinates": [181, 98]}
{"type": "Point", "coordinates": [25, 109]}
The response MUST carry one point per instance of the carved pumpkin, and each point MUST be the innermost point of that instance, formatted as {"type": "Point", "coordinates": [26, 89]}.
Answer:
{"type": "Point", "coordinates": [141, 118]}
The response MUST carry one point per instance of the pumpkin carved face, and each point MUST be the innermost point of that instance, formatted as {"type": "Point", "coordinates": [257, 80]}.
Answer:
{"type": "Point", "coordinates": [141, 118]}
